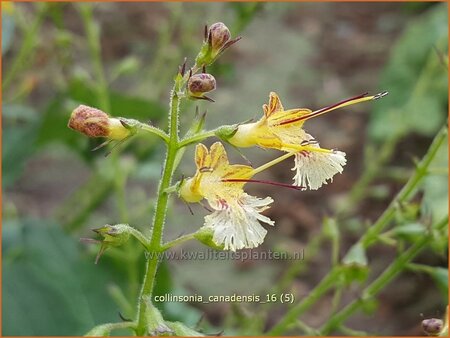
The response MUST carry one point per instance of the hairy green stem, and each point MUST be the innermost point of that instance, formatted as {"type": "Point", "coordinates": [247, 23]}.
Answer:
{"type": "Point", "coordinates": [196, 138]}
{"type": "Point", "coordinates": [177, 241]}
{"type": "Point", "coordinates": [160, 214]}
{"type": "Point", "coordinates": [155, 131]}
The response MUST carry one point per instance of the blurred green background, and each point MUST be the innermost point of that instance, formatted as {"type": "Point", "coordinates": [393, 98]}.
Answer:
{"type": "Point", "coordinates": [312, 54]}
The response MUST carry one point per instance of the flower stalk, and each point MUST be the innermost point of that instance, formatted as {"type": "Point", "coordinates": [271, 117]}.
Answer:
{"type": "Point", "coordinates": [160, 213]}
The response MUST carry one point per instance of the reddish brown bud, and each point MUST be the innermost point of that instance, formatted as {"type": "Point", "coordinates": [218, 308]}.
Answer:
{"type": "Point", "coordinates": [199, 84]}
{"type": "Point", "coordinates": [90, 121]}
{"type": "Point", "coordinates": [217, 40]}
{"type": "Point", "coordinates": [93, 122]}
{"type": "Point", "coordinates": [219, 35]}
{"type": "Point", "coordinates": [432, 326]}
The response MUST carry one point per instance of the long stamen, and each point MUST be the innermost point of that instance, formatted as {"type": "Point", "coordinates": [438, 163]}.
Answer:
{"type": "Point", "coordinates": [341, 104]}
{"type": "Point", "coordinates": [263, 182]}
{"type": "Point", "coordinates": [269, 164]}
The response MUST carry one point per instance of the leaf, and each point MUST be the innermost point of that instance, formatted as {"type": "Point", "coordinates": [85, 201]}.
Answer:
{"type": "Point", "coordinates": [20, 126]}
{"type": "Point", "coordinates": [439, 275]}
{"type": "Point", "coordinates": [435, 186]}
{"type": "Point", "coordinates": [49, 288]}
{"type": "Point", "coordinates": [416, 80]}
{"type": "Point", "coordinates": [121, 105]}
{"type": "Point", "coordinates": [410, 231]}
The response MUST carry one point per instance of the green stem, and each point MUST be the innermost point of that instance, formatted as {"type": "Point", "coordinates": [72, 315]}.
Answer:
{"type": "Point", "coordinates": [292, 315]}
{"type": "Point", "coordinates": [378, 284]}
{"type": "Point", "coordinates": [196, 138]}
{"type": "Point", "coordinates": [160, 214]}
{"type": "Point", "coordinates": [105, 329]}
{"type": "Point", "coordinates": [370, 236]}
{"type": "Point", "coordinates": [177, 241]}
{"type": "Point", "coordinates": [140, 237]}
{"type": "Point", "coordinates": [155, 131]}
{"type": "Point", "coordinates": [406, 193]}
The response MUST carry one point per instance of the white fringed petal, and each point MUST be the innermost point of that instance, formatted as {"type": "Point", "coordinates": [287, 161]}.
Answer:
{"type": "Point", "coordinates": [236, 224]}
{"type": "Point", "coordinates": [313, 169]}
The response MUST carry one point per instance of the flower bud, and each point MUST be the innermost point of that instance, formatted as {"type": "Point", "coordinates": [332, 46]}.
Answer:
{"type": "Point", "coordinates": [113, 235]}
{"type": "Point", "coordinates": [432, 326]}
{"type": "Point", "coordinates": [219, 35]}
{"type": "Point", "coordinates": [93, 122]}
{"type": "Point", "coordinates": [217, 40]}
{"type": "Point", "coordinates": [199, 84]}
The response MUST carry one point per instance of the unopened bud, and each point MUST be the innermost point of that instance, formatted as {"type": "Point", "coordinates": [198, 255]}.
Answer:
{"type": "Point", "coordinates": [432, 326]}
{"type": "Point", "coordinates": [93, 122]}
{"type": "Point", "coordinates": [113, 235]}
{"type": "Point", "coordinates": [217, 40]}
{"type": "Point", "coordinates": [219, 35]}
{"type": "Point", "coordinates": [200, 84]}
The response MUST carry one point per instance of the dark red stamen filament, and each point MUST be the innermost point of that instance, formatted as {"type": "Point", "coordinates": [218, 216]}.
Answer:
{"type": "Point", "coordinates": [263, 182]}
{"type": "Point", "coordinates": [318, 112]}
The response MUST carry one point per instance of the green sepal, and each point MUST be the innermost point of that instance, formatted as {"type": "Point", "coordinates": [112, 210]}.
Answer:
{"type": "Point", "coordinates": [205, 236]}
{"type": "Point", "coordinates": [156, 326]}
{"type": "Point", "coordinates": [204, 57]}
{"type": "Point", "coordinates": [182, 330]}
{"type": "Point", "coordinates": [355, 264]}
{"type": "Point", "coordinates": [114, 235]}
{"type": "Point", "coordinates": [226, 132]}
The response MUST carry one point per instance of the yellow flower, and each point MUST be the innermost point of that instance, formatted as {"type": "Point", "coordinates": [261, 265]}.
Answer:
{"type": "Point", "coordinates": [282, 129]}
{"type": "Point", "coordinates": [236, 218]}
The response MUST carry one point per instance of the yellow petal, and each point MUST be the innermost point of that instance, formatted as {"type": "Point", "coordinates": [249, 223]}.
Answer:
{"type": "Point", "coordinates": [201, 153]}
{"type": "Point", "coordinates": [274, 104]}
{"type": "Point", "coordinates": [285, 116]}
{"type": "Point", "coordinates": [238, 171]}
{"type": "Point", "coordinates": [218, 156]}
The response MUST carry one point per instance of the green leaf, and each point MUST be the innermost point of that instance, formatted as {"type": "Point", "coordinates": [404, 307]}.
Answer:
{"type": "Point", "coordinates": [49, 288]}
{"type": "Point", "coordinates": [416, 80]}
{"type": "Point", "coordinates": [20, 126]}
{"type": "Point", "coordinates": [439, 275]}
{"type": "Point", "coordinates": [121, 104]}
{"type": "Point", "coordinates": [410, 231]}
{"type": "Point", "coordinates": [435, 186]}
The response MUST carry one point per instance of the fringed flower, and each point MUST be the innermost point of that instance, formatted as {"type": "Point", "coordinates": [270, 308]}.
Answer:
{"type": "Point", "coordinates": [282, 129]}
{"type": "Point", "coordinates": [236, 218]}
